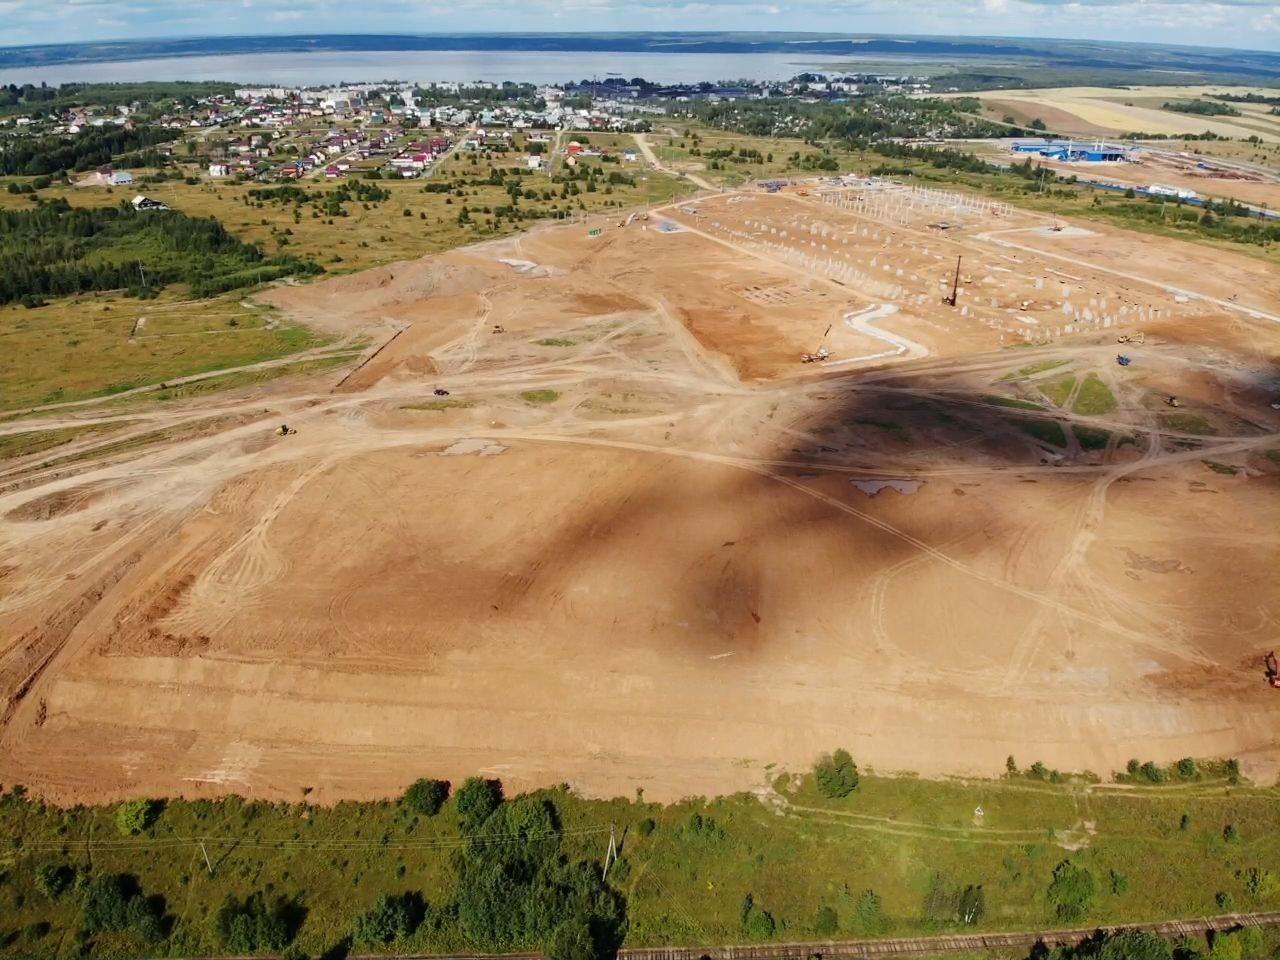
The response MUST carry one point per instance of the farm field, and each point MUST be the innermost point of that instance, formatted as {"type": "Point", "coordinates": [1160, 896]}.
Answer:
{"type": "Point", "coordinates": [968, 533]}
{"type": "Point", "coordinates": [1104, 111]}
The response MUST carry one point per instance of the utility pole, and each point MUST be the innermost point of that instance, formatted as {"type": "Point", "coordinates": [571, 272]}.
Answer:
{"type": "Point", "coordinates": [611, 856]}
{"type": "Point", "coordinates": [955, 287]}
{"type": "Point", "coordinates": [206, 858]}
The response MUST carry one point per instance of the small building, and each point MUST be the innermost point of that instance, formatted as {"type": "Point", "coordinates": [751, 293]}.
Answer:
{"type": "Point", "coordinates": [146, 203]}
{"type": "Point", "coordinates": [120, 178]}
{"type": "Point", "coordinates": [219, 170]}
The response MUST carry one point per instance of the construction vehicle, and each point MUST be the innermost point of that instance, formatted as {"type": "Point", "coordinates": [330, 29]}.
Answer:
{"type": "Point", "coordinates": [1138, 337]}
{"type": "Point", "coordinates": [284, 430]}
{"type": "Point", "coordinates": [1272, 668]}
{"type": "Point", "coordinates": [499, 328]}
{"type": "Point", "coordinates": [1123, 360]}
{"type": "Point", "coordinates": [822, 353]}
{"type": "Point", "coordinates": [440, 392]}
{"type": "Point", "coordinates": [1172, 402]}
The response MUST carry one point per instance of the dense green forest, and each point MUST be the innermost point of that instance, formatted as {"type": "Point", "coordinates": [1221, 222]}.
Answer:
{"type": "Point", "coordinates": [35, 156]}
{"type": "Point", "coordinates": [55, 249]}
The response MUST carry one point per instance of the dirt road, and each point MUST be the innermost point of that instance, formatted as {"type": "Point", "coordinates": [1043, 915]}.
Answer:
{"type": "Point", "coordinates": [626, 548]}
{"type": "Point", "coordinates": [646, 148]}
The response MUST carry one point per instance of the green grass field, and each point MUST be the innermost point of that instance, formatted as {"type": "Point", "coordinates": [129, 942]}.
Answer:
{"type": "Point", "coordinates": [90, 346]}
{"type": "Point", "coordinates": [888, 859]}
{"type": "Point", "coordinates": [81, 347]}
{"type": "Point", "coordinates": [1094, 397]}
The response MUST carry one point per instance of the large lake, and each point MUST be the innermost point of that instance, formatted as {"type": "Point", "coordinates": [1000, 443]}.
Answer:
{"type": "Point", "coordinates": [296, 69]}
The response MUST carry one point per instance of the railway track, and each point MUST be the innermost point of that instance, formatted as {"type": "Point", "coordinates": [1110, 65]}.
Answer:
{"type": "Point", "coordinates": [869, 949]}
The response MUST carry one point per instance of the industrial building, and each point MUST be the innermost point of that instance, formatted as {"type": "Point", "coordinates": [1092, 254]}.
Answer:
{"type": "Point", "coordinates": [1073, 151]}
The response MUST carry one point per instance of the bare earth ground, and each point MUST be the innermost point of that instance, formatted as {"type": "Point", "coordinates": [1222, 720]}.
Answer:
{"type": "Point", "coordinates": [640, 545]}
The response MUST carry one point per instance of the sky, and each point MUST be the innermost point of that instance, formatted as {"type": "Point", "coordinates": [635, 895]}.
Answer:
{"type": "Point", "coordinates": [1250, 24]}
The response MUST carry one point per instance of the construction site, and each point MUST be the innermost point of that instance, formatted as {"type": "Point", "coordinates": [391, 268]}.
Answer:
{"type": "Point", "coordinates": [670, 503]}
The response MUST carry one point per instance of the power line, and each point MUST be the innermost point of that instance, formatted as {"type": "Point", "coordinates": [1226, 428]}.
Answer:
{"type": "Point", "coordinates": [144, 843]}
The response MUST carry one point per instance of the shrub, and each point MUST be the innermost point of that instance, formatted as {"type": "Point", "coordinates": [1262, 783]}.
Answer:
{"type": "Point", "coordinates": [476, 800]}
{"type": "Point", "coordinates": [426, 796]}
{"type": "Point", "coordinates": [836, 775]}
{"type": "Point", "coordinates": [1071, 890]}
{"type": "Point", "coordinates": [1186, 768]}
{"type": "Point", "coordinates": [114, 903]}
{"type": "Point", "coordinates": [973, 904]}
{"type": "Point", "coordinates": [53, 881]}
{"type": "Point", "coordinates": [1224, 900]}
{"type": "Point", "coordinates": [1010, 766]}
{"type": "Point", "coordinates": [869, 914]}
{"type": "Point", "coordinates": [941, 902]}
{"type": "Point", "coordinates": [647, 826]}
{"type": "Point", "coordinates": [826, 923]}
{"type": "Point", "coordinates": [135, 816]}
{"type": "Point", "coordinates": [1261, 884]}
{"type": "Point", "coordinates": [756, 924]}
{"type": "Point", "coordinates": [1236, 945]}
{"type": "Point", "coordinates": [250, 925]}
{"type": "Point", "coordinates": [1038, 771]}
{"type": "Point", "coordinates": [571, 941]}
{"type": "Point", "coordinates": [517, 893]}
{"type": "Point", "coordinates": [1151, 773]}
{"type": "Point", "coordinates": [390, 918]}
{"type": "Point", "coordinates": [1230, 833]}
{"type": "Point", "coordinates": [1134, 945]}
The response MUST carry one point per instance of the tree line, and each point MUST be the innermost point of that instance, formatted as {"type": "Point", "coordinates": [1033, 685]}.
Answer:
{"type": "Point", "coordinates": [56, 250]}
{"type": "Point", "coordinates": [35, 156]}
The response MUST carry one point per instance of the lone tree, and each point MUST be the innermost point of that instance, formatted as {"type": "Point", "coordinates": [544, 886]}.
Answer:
{"type": "Point", "coordinates": [1071, 890]}
{"type": "Point", "coordinates": [476, 799]}
{"type": "Point", "coordinates": [426, 796]}
{"type": "Point", "coordinates": [134, 816]}
{"type": "Point", "coordinates": [836, 774]}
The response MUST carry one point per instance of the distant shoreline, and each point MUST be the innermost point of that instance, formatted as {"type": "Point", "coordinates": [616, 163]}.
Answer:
{"type": "Point", "coordinates": [1072, 54]}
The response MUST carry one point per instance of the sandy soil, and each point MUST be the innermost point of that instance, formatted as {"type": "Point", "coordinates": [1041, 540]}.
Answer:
{"type": "Point", "coordinates": [625, 550]}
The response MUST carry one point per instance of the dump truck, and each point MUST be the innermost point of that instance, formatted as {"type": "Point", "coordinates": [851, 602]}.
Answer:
{"type": "Point", "coordinates": [822, 354]}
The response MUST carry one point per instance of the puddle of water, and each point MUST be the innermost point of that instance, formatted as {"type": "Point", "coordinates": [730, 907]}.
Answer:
{"type": "Point", "coordinates": [486, 448]}
{"type": "Point", "coordinates": [873, 487]}
{"type": "Point", "coordinates": [520, 266]}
